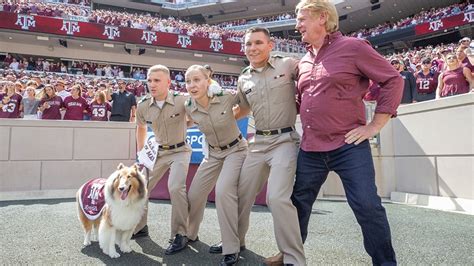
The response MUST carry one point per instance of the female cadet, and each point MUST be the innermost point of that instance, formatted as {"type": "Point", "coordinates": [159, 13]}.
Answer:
{"type": "Point", "coordinates": [221, 166]}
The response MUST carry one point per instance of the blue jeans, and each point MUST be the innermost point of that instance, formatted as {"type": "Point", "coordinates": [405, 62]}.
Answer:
{"type": "Point", "coordinates": [354, 165]}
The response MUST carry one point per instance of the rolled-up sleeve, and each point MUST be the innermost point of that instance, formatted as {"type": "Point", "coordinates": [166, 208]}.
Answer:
{"type": "Point", "coordinates": [372, 65]}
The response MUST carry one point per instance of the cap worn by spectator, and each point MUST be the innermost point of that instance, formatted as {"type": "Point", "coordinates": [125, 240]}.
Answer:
{"type": "Point", "coordinates": [465, 39]}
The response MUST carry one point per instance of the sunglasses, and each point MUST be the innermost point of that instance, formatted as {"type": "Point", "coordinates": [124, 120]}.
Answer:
{"type": "Point", "coordinates": [395, 63]}
{"type": "Point", "coordinates": [451, 57]}
{"type": "Point", "coordinates": [426, 63]}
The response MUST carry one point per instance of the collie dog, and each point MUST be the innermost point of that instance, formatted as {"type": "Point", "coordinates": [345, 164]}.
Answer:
{"type": "Point", "coordinates": [114, 206]}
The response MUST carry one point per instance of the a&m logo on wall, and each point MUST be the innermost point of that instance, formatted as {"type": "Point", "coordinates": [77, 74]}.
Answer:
{"type": "Point", "coordinates": [149, 36]}
{"type": "Point", "coordinates": [469, 16]}
{"type": "Point", "coordinates": [184, 41]}
{"type": "Point", "coordinates": [111, 32]}
{"type": "Point", "coordinates": [25, 21]}
{"type": "Point", "coordinates": [70, 27]}
{"type": "Point", "coordinates": [242, 47]}
{"type": "Point", "coordinates": [216, 45]}
{"type": "Point", "coordinates": [436, 25]}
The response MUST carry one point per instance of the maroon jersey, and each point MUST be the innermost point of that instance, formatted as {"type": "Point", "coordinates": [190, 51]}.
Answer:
{"type": "Point", "coordinates": [426, 84]}
{"type": "Point", "coordinates": [454, 82]}
{"type": "Point", "coordinates": [140, 90]}
{"type": "Point", "coordinates": [91, 198]}
{"type": "Point", "coordinates": [55, 105]}
{"type": "Point", "coordinates": [75, 108]}
{"type": "Point", "coordinates": [11, 109]}
{"type": "Point", "coordinates": [99, 111]}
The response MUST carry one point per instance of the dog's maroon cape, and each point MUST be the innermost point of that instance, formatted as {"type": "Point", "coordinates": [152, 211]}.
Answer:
{"type": "Point", "coordinates": [92, 198]}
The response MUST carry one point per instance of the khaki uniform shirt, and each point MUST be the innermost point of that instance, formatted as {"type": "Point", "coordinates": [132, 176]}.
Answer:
{"type": "Point", "coordinates": [168, 123]}
{"type": "Point", "coordinates": [217, 123]}
{"type": "Point", "coordinates": [270, 93]}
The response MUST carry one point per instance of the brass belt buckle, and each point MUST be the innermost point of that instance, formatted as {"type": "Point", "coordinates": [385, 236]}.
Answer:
{"type": "Point", "coordinates": [166, 147]}
{"type": "Point", "coordinates": [266, 132]}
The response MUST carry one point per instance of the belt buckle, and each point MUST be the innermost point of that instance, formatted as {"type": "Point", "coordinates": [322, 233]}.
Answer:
{"type": "Point", "coordinates": [266, 132]}
{"type": "Point", "coordinates": [165, 147]}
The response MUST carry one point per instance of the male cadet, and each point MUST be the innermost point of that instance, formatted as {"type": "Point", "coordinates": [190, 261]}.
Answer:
{"type": "Point", "coordinates": [267, 87]}
{"type": "Point", "coordinates": [164, 111]}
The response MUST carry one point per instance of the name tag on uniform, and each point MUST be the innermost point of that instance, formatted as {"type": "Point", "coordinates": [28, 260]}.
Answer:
{"type": "Point", "coordinates": [248, 91]}
{"type": "Point", "coordinates": [223, 113]}
{"type": "Point", "coordinates": [279, 76]}
{"type": "Point", "coordinates": [149, 122]}
{"type": "Point", "coordinates": [175, 115]}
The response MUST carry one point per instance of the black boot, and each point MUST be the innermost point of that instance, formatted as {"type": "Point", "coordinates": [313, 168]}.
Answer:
{"type": "Point", "coordinates": [178, 244]}
{"type": "Point", "coordinates": [230, 259]}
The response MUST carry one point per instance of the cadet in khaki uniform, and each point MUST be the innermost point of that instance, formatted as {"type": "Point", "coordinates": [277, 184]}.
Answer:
{"type": "Point", "coordinates": [267, 87]}
{"type": "Point", "coordinates": [164, 112]}
{"type": "Point", "coordinates": [222, 164]}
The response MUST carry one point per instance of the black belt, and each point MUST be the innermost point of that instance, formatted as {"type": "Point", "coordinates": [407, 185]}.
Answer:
{"type": "Point", "coordinates": [274, 132]}
{"type": "Point", "coordinates": [172, 147]}
{"type": "Point", "coordinates": [230, 145]}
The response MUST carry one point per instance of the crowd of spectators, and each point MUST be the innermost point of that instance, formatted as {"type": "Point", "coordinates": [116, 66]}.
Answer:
{"type": "Point", "coordinates": [89, 68]}
{"type": "Point", "coordinates": [145, 21]}
{"type": "Point", "coordinates": [44, 8]}
{"type": "Point", "coordinates": [429, 72]}
{"type": "Point", "coordinates": [433, 71]}
{"type": "Point", "coordinates": [424, 16]}
{"type": "Point", "coordinates": [259, 20]}
{"type": "Point", "coordinates": [41, 95]}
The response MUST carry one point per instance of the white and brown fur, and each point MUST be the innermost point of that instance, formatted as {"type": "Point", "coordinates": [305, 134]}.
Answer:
{"type": "Point", "coordinates": [119, 217]}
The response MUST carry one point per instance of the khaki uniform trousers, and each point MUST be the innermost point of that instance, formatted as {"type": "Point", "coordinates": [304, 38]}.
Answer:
{"type": "Point", "coordinates": [178, 162]}
{"type": "Point", "coordinates": [223, 168]}
{"type": "Point", "coordinates": [273, 158]}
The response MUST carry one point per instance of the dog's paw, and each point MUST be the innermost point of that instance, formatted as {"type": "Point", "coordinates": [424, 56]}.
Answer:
{"type": "Point", "coordinates": [125, 248]}
{"type": "Point", "coordinates": [87, 243]}
{"type": "Point", "coordinates": [114, 254]}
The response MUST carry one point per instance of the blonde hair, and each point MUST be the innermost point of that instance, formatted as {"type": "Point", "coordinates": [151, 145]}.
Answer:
{"type": "Point", "coordinates": [200, 68]}
{"type": "Point", "coordinates": [43, 95]}
{"type": "Point", "coordinates": [157, 68]}
{"type": "Point", "coordinates": [316, 7]}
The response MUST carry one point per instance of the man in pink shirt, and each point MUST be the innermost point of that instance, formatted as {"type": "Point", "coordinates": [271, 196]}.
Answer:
{"type": "Point", "coordinates": [333, 78]}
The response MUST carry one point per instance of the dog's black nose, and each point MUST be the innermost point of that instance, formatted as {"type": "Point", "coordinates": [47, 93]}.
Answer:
{"type": "Point", "coordinates": [121, 189]}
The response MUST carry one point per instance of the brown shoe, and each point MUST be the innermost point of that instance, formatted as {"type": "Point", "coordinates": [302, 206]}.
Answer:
{"type": "Point", "coordinates": [276, 260]}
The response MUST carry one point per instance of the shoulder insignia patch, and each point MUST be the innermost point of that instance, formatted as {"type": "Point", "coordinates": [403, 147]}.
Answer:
{"type": "Point", "coordinates": [144, 99]}
{"type": "Point", "coordinates": [187, 102]}
{"type": "Point", "coordinates": [245, 69]}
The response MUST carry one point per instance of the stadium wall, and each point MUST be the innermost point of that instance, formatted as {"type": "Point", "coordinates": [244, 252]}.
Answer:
{"type": "Point", "coordinates": [54, 158]}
